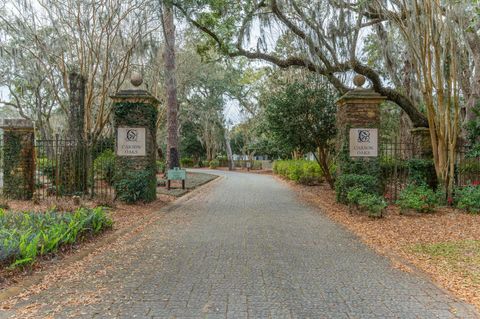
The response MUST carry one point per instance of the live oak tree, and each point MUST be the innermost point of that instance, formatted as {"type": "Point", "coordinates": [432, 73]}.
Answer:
{"type": "Point", "coordinates": [326, 37]}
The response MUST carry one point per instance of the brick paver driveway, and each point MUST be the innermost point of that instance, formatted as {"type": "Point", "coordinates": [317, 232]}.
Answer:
{"type": "Point", "coordinates": [244, 248]}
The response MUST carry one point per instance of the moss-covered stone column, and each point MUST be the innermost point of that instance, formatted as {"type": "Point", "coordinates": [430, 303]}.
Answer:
{"type": "Point", "coordinates": [135, 122]}
{"type": "Point", "coordinates": [358, 124]}
{"type": "Point", "coordinates": [422, 144]}
{"type": "Point", "coordinates": [19, 158]}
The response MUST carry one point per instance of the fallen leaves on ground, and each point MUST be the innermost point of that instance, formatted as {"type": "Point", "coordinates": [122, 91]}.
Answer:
{"type": "Point", "coordinates": [123, 216]}
{"type": "Point", "coordinates": [100, 267]}
{"type": "Point", "coordinates": [395, 235]}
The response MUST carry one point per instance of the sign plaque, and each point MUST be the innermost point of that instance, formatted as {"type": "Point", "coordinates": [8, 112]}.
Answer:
{"type": "Point", "coordinates": [176, 174]}
{"type": "Point", "coordinates": [131, 141]}
{"type": "Point", "coordinates": [363, 142]}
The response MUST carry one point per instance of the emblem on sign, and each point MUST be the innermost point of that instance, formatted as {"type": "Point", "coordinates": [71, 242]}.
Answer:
{"type": "Point", "coordinates": [363, 136]}
{"type": "Point", "coordinates": [131, 135]}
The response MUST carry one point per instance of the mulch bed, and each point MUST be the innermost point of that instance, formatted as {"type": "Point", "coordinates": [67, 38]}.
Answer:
{"type": "Point", "coordinates": [395, 235]}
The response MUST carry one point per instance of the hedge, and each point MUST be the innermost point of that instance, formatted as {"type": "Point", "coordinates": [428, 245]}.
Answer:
{"type": "Point", "coordinates": [300, 171]}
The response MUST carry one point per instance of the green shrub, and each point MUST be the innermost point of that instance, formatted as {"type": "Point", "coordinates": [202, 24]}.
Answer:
{"type": "Point", "coordinates": [469, 166]}
{"type": "Point", "coordinates": [161, 167]}
{"type": "Point", "coordinates": [300, 171]}
{"type": "Point", "coordinates": [468, 199]}
{"type": "Point", "coordinates": [420, 198]}
{"type": "Point", "coordinates": [136, 186]}
{"type": "Point", "coordinates": [422, 171]}
{"type": "Point", "coordinates": [374, 204]}
{"type": "Point", "coordinates": [346, 182]}
{"type": "Point", "coordinates": [26, 235]}
{"type": "Point", "coordinates": [256, 165]}
{"type": "Point", "coordinates": [214, 163]}
{"type": "Point", "coordinates": [104, 166]}
{"type": "Point", "coordinates": [362, 192]}
{"type": "Point", "coordinates": [186, 162]}
{"type": "Point", "coordinates": [441, 197]}
{"type": "Point", "coordinates": [358, 166]}
{"type": "Point", "coordinates": [102, 144]}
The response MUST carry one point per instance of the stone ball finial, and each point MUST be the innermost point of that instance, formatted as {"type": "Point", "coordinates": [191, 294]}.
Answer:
{"type": "Point", "coordinates": [359, 80]}
{"type": "Point", "coordinates": [136, 79]}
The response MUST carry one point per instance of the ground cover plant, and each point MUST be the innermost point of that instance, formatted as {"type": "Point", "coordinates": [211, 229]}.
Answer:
{"type": "Point", "coordinates": [468, 198]}
{"type": "Point", "coordinates": [26, 235]}
{"type": "Point", "coordinates": [300, 171]}
{"type": "Point", "coordinates": [419, 198]}
{"type": "Point", "coordinates": [361, 192]}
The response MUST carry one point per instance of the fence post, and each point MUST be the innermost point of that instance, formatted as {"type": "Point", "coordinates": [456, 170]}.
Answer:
{"type": "Point", "coordinates": [90, 169]}
{"type": "Point", "coordinates": [57, 168]}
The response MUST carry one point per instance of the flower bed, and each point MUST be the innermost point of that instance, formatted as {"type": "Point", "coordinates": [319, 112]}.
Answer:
{"type": "Point", "coordinates": [26, 235]}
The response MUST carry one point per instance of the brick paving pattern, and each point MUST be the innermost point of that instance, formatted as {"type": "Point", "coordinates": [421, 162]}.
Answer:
{"type": "Point", "coordinates": [247, 248]}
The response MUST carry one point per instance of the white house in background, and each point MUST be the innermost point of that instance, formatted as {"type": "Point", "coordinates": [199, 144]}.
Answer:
{"type": "Point", "coordinates": [309, 156]}
{"type": "Point", "coordinates": [237, 157]}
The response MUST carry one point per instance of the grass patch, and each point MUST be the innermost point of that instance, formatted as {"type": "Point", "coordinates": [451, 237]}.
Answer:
{"type": "Point", "coordinates": [26, 235]}
{"type": "Point", "coordinates": [462, 257]}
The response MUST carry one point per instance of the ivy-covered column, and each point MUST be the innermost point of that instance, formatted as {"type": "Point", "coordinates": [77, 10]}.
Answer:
{"type": "Point", "coordinates": [19, 158]}
{"type": "Point", "coordinates": [358, 124]}
{"type": "Point", "coordinates": [135, 122]}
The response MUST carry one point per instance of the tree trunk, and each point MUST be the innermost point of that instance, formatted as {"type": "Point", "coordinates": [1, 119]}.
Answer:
{"type": "Point", "coordinates": [76, 115]}
{"type": "Point", "coordinates": [474, 97]}
{"type": "Point", "coordinates": [231, 165]}
{"type": "Point", "coordinates": [322, 160]}
{"type": "Point", "coordinates": [170, 85]}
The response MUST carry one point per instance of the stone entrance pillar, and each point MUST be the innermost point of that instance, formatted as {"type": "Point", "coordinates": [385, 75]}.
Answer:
{"type": "Point", "coordinates": [358, 123]}
{"type": "Point", "coordinates": [18, 158]}
{"type": "Point", "coordinates": [135, 123]}
{"type": "Point", "coordinates": [422, 144]}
